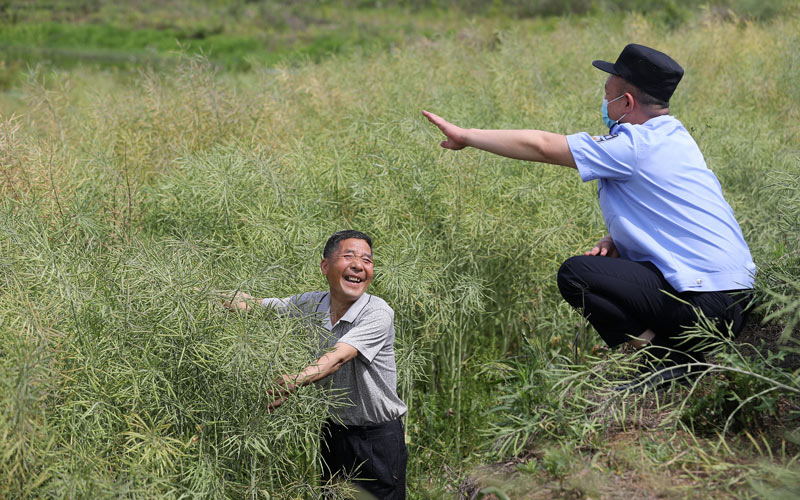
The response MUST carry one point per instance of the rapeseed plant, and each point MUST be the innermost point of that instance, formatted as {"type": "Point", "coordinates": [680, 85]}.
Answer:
{"type": "Point", "coordinates": [131, 201]}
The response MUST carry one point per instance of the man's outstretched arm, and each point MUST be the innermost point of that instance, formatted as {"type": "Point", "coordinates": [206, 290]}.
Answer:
{"type": "Point", "coordinates": [326, 365]}
{"type": "Point", "coordinates": [531, 145]}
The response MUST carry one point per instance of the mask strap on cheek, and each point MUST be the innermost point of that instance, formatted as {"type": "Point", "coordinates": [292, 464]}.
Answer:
{"type": "Point", "coordinates": [617, 98]}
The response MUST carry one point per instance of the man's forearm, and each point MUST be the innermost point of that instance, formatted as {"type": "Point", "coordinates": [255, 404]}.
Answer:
{"type": "Point", "coordinates": [240, 301]}
{"type": "Point", "coordinates": [312, 373]}
{"type": "Point", "coordinates": [289, 383]}
{"type": "Point", "coordinates": [530, 145]}
{"type": "Point", "coordinates": [326, 365]}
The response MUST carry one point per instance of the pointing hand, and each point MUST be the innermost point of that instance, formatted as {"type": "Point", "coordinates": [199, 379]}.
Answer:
{"type": "Point", "coordinates": [456, 136]}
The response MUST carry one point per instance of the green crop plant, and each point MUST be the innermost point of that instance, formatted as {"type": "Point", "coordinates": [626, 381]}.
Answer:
{"type": "Point", "coordinates": [132, 200]}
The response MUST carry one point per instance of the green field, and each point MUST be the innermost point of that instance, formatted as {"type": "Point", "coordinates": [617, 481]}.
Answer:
{"type": "Point", "coordinates": [139, 180]}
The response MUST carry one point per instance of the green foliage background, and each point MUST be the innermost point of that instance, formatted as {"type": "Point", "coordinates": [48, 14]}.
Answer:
{"type": "Point", "coordinates": [242, 34]}
{"type": "Point", "coordinates": [130, 197]}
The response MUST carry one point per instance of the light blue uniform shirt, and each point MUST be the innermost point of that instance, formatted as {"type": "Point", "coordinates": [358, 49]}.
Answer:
{"type": "Point", "coordinates": [662, 204]}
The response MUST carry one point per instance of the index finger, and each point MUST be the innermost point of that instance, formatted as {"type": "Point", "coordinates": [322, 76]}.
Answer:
{"type": "Point", "coordinates": [432, 117]}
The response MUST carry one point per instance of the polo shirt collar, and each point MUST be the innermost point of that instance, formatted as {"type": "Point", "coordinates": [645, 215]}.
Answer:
{"type": "Point", "coordinates": [355, 308]}
{"type": "Point", "coordinates": [351, 314]}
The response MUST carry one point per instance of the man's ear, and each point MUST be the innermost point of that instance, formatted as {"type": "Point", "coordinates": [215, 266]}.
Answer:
{"type": "Point", "coordinates": [324, 267]}
{"type": "Point", "coordinates": [630, 101]}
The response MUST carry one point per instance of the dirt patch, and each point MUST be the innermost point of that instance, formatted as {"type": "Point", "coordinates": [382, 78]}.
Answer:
{"type": "Point", "coordinates": [758, 339]}
{"type": "Point", "coordinates": [634, 465]}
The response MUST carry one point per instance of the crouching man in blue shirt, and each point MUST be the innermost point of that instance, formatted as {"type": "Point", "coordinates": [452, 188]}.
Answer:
{"type": "Point", "coordinates": [364, 440]}
{"type": "Point", "coordinates": [673, 246]}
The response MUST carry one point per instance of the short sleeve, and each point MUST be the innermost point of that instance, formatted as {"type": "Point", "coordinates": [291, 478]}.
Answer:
{"type": "Point", "coordinates": [604, 157]}
{"type": "Point", "coordinates": [370, 334]}
{"type": "Point", "coordinates": [280, 305]}
{"type": "Point", "coordinates": [296, 305]}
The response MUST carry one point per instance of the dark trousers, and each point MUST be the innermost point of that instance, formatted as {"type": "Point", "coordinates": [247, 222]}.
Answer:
{"type": "Point", "coordinates": [373, 456]}
{"type": "Point", "coordinates": [621, 299]}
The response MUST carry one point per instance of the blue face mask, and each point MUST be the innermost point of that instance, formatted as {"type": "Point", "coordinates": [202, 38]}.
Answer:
{"type": "Point", "coordinates": [606, 119]}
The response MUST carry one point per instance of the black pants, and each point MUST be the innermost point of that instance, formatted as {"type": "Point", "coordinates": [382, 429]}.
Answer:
{"type": "Point", "coordinates": [621, 299]}
{"type": "Point", "coordinates": [374, 456]}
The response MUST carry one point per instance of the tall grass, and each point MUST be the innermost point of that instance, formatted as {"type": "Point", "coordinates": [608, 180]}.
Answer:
{"type": "Point", "coordinates": [129, 201]}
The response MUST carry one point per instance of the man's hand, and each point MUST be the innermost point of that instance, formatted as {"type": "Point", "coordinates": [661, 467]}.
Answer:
{"type": "Point", "coordinates": [456, 137]}
{"type": "Point", "coordinates": [285, 386]}
{"type": "Point", "coordinates": [530, 145]}
{"type": "Point", "coordinates": [239, 301]}
{"type": "Point", "coordinates": [604, 248]}
{"type": "Point", "coordinates": [277, 402]}
{"type": "Point", "coordinates": [328, 364]}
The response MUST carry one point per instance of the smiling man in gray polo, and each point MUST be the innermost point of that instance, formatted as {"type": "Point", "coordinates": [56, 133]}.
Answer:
{"type": "Point", "coordinates": [365, 439]}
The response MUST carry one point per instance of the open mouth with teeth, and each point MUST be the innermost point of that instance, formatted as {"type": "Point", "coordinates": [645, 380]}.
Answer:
{"type": "Point", "coordinates": [353, 279]}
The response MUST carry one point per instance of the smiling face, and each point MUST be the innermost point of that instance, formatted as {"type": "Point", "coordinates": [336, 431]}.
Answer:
{"type": "Point", "coordinates": [349, 269]}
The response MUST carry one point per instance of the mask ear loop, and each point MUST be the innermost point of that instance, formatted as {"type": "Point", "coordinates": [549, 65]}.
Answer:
{"type": "Point", "coordinates": [606, 119]}
{"type": "Point", "coordinates": [620, 118]}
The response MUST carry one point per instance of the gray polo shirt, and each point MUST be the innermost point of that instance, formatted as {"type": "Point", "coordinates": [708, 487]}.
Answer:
{"type": "Point", "coordinates": [369, 380]}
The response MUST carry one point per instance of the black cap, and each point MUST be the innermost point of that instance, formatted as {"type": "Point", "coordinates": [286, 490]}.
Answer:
{"type": "Point", "coordinates": [652, 71]}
